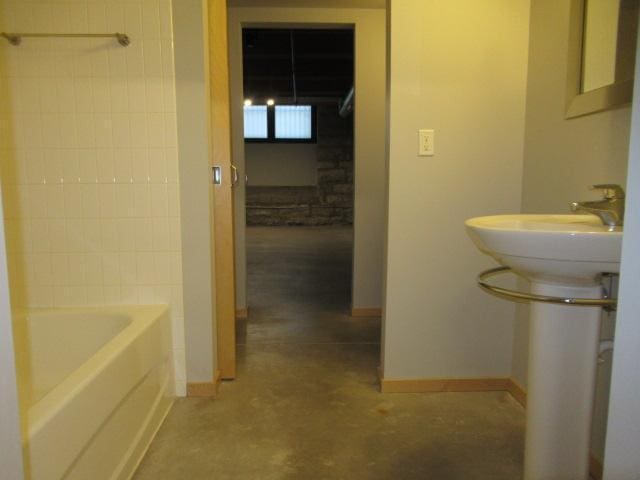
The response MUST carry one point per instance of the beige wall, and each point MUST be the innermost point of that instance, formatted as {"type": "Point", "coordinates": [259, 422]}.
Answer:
{"type": "Point", "coordinates": [192, 99]}
{"type": "Point", "coordinates": [292, 164]}
{"type": "Point", "coordinates": [369, 136]}
{"type": "Point", "coordinates": [90, 163]}
{"type": "Point", "coordinates": [562, 157]}
{"type": "Point", "coordinates": [459, 68]}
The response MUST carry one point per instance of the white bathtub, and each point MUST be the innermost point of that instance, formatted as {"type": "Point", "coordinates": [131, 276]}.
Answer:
{"type": "Point", "coordinates": [94, 384]}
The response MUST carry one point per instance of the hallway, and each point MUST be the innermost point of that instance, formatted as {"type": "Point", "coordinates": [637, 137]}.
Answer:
{"type": "Point", "coordinates": [306, 404]}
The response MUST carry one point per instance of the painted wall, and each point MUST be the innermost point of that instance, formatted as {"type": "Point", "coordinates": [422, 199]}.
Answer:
{"type": "Point", "coordinates": [192, 109]}
{"type": "Point", "coordinates": [369, 136]}
{"type": "Point", "coordinates": [562, 157]}
{"type": "Point", "coordinates": [290, 165]}
{"type": "Point", "coordinates": [459, 68]}
{"type": "Point", "coordinates": [10, 438]}
{"type": "Point", "coordinates": [89, 159]}
{"type": "Point", "coordinates": [621, 461]}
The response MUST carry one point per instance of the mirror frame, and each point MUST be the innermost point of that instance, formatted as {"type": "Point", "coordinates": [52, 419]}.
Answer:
{"type": "Point", "coordinates": [580, 103]}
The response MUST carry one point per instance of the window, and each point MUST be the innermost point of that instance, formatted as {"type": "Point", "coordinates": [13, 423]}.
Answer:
{"type": "Point", "coordinates": [293, 122]}
{"type": "Point", "coordinates": [280, 123]}
{"type": "Point", "coordinates": [255, 122]}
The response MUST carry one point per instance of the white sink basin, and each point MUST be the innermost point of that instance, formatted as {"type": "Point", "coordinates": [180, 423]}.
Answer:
{"type": "Point", "coordinates": [557, 249]}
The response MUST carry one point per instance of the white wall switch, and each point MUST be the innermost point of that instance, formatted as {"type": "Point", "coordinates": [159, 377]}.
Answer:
{"type": "Point", "coordinates": [426, 140]}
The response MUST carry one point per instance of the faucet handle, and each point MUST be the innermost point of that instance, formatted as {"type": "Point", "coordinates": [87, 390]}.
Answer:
{"type": "Point", "coordinates": [611, 191]}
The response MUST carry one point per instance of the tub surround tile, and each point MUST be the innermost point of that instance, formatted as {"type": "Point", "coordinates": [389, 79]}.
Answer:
{"type": "Point", "coordinates": [88, 157]}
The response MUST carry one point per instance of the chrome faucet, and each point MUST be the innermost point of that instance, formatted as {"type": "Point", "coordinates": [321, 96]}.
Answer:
{"type": "Point", "coordinates": [610, 209]}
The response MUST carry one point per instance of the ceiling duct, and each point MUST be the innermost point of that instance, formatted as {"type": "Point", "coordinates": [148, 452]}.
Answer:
{"type": "Point", "coordinates": [346, 105]}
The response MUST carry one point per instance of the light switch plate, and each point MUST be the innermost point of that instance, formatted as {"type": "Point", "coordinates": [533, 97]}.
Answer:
{"type": "Point", "coordinates": [426, 139]}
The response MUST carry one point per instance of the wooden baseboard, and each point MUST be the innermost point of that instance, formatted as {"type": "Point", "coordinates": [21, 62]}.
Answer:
{"type": "Point", "coordinates": [517, 392]}
{"type": "Point", "coordinates": [204, 389]}
{"type": "Point", "coordinates": [242, 313]}
{"type": "Point", "coordinates": [596, 470]}
{"type": "Point", "coordinates": [444, 385]}
{"type": "Point", "coordinates": [366, 312]}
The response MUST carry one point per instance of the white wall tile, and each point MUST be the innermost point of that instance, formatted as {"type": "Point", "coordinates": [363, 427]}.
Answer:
{"type": "Point", "coordinates": [153, 61]}
{"type": "Point", "coordinates": [124, 200]}
{"type": "Point", "coordinates": [109, 235]}
{"type": "Point", "coordinates": [107, 206]}
{"type": "Point", "coordinates": [137, 95]}
{"type": "Point", "coordinates": [115, 17]}
{"type": "Point", "coordinates": [111, 294]}
{"type": "Point", "coordinates": [57, 231]}
{"type": "Point", "coordinates": [71, 165]}
{"type": "Point", "coordinates": [156, 131]}
{"type": "Point", "coordinates": [159, 200]}
{"type": "Point", "coordinates": [135, 60]}
{"type": "Point", "coordinates": [158, 165]}
{"type": "Point", "coordinates": [133, 20]}
{"type": "Point", "coordinates": [72, 200]}
{"type": "Point", "coordinates": [103, 130]}
{"type": "Point", "coordinates": [110, 269]}
{"type": "Point", "coordinates": [92, 235]}
{"type": "Point", "coordinates": [145, 268]}
{"type": "Point", "coordinates": [139, 129]}
{"type": "Point", "coordinates": [97, 17]}
{"type": "Point", "coordinates": [145, 294]}
{"type": "Point", "coordinates": [140, 165]}
{"type": "Point", "coordinates": [105, 165]}
{"type": "Point", "coordinates": [95, 295]}
{"type": "Point", "coordinates": [160, 234]}
{"type": "Point", "coordinates": [117, 61]}
{"type": "Point", "coordinates": [83, 95]}
{"type": "Point", "coordinates": [101, 92]}
{"type": "Point", "coordinates": [154, 92]}
{"type": "Point", "coordinates": [90, 201]}
{"type": "Point", "coordinates": [85, 130]}
{"type": "Point", "coordinates": [151, 20]}
{"type": "Point", "coordinates": [126, 234]}
{"type": "Point", "coordinates": [141, 200]}
{"type": "Point", "coordinates": [55, 201]}
{"type": "Point", "coordinates": [88, 159]}
{"type": "Point", "coordinates": [143, 235]}
{"type": "Point", "coordinates": [119, 94]}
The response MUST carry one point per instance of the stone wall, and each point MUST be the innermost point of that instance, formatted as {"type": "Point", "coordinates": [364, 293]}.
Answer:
{"type": "Point", "coordinates": [331, 201]}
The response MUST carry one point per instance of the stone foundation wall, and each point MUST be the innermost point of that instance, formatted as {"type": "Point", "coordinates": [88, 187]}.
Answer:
{"type": "Point", "coordinates": [331, 201]}
{"type": "Point", "coordinates": [272, 206]}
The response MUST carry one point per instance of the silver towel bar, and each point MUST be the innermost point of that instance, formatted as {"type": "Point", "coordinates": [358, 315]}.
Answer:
{"type": "Point", "coordinates": [16, 38]}
{"type": "Point", "coordinates": [608, 304]}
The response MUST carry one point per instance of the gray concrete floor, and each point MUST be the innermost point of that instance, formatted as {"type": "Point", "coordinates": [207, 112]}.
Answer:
{"type": "Point", "coordinates": [306, 405]}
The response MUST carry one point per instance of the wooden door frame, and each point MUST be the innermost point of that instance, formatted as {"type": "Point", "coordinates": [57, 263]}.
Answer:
{"type": "Point", "coordinates": [223, 258]}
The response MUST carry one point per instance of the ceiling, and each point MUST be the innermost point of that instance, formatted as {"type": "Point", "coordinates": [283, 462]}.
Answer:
{"type": "Point", "coordinates": [323, 63]}
{"type": "Point", "coordinates": [309, 3]}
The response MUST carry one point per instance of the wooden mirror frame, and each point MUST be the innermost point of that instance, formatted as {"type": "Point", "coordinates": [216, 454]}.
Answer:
{"type": "Point", "coordinates": [580, 103]}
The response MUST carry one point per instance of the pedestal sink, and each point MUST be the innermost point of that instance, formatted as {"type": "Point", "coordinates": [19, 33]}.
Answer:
{"type": "Point", "coordinates": [562, 256]}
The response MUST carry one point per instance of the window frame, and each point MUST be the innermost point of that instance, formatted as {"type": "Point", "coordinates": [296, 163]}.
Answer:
{"type": "Point", "coordinates": [271, 127]}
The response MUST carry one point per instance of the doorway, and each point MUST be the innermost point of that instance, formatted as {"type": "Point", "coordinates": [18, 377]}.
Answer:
{"type": "Point", "coordinates": [298, 143]}
{"type": "Point", "coordinates": [363, 264]}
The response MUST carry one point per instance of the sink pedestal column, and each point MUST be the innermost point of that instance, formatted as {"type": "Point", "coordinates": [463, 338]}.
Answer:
{"type": "Point", "coordinates": [563, 351]}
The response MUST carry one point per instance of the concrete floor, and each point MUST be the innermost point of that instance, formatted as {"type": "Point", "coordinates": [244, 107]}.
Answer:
{"type": "Point", "coordinates": [306, 405]}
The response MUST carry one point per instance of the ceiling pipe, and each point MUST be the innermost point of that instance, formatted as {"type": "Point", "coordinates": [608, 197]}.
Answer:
{"type": "Point", "coordinates": [293, 68]}
{"type": "Point", "coordinates": [346, 105]}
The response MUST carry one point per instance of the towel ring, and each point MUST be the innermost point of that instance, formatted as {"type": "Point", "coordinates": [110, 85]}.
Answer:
{"type": "Point", "coordinates": [609, 304]}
